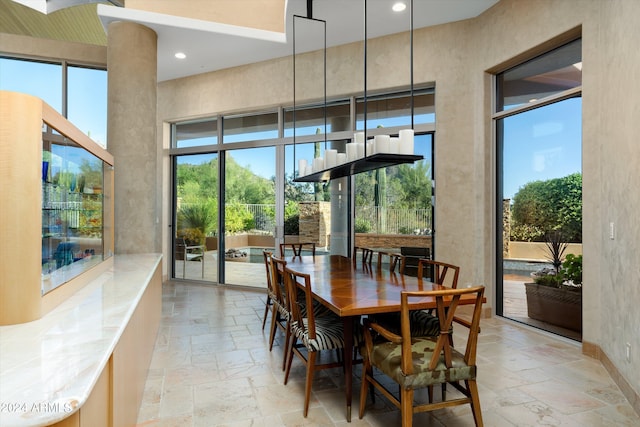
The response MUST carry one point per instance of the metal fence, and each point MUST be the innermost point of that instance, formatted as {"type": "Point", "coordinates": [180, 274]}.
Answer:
{"type": "Point", "coordinates": [263, 215]}
{"type": "Point", "coordinates": [369, 219]}
{"type": "Point", "coordinates": [383, 220]}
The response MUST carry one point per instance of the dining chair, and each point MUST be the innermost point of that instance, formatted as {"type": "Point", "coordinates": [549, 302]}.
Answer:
{"type": "Point", "coordinates": [424, 323]}
{"type": "Point", "coordinates": [310, 333]}
{"type": "Point", "coordinates": [419, 362]}
{"type": "Point", "coordinates": [281, 315]}
{"type": "Point", "coordinates": [438, 272]}
{"type": "Point", "coordinates": [367, 256]}
{"type": "Point", "coordinates": [282, 311]}
{"type": "Point", "coordinates": [396, 260]}
{"type": "Point", "coordinates": [271, 296]}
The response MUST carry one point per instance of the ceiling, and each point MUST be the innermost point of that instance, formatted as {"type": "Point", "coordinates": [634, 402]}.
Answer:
{"type": "Point", "coordinates": [210, 46]}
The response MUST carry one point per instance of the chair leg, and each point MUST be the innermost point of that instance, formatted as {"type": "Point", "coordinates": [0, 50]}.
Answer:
{"type": "Point", "coordinates": [287, 340]}
{"type": "Point", "coordinates": [274, 318]}
{"type": "Point", "coordinates": [444, 391]}
{"type": "Point", "coordinates": [430, 389]}
{"type": "Point", "coordinates": [363, 389]}
{"type": "Point", "coordinates": [266, 311]}
{"type": "Point", "coordinates": [406, 407]}
{"type": "Point", "coordinates": [472, 386]}
{"type": "Point", "coordinates": [288, 354]}
{"type": "Point", "coordinates": [311, 364]}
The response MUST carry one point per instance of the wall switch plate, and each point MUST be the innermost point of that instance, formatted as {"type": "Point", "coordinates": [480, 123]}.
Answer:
{"type": "Point", "coordinates": [612, 230]}
{"type": "Point", "coordinates": [628, 352]}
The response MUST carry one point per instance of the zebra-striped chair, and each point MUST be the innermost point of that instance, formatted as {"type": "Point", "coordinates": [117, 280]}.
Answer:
{"type": "Point", "coordinates": [312, 332]}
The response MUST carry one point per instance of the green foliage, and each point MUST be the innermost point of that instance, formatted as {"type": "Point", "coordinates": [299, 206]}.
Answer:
{"type": "Point", "coordinates": [201, 216]}
{"type": "Point", "coordinates": [526, 233]}
{"type": "Point", "coordinates": [362, 226]}
{"type": "Point", "coordinates": [244, 186]}
{"type": "Point", "coordinates": [402, 186]}
{"type": "Point", "coordinates": [405, 230]}
{"type": "Point", "coordinates": [569, 276]}
{"type": "Point", "coordinates": [554, 204]}
{"type": "Point", "coordinates": [238, 218]}
{"type": "Point", "coordinates": [192, 236]}
{"type": "Point", "coordinates": [572, 268]}
{"type": "Point", "coordinates": [551, 280]}
{"type": "Point", "coordinates": [291, 219]}
{"type": "Point", "coordinates": [556, 246]}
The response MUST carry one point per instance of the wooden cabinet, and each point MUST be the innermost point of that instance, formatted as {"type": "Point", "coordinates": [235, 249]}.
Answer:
{"type": "Point", "coordinates": [55, 228]}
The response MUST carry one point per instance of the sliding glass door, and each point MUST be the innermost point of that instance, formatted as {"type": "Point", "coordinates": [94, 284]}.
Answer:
{"type": "Point", "coordinates": [539, 203]}
{"type": "Point", "coordinates": [249, 214]}
{"type": "Point", "coordinates": [195, 243]}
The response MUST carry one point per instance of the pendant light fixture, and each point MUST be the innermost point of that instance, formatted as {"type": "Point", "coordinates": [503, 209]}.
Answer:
{"type": "Point", "coordinates": [362, 155]}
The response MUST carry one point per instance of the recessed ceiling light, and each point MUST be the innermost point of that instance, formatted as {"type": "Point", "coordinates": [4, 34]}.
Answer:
{"type": "Point", "coordinates": [180, 55]}
{"type": "Point", "coordinates": [399, 6]}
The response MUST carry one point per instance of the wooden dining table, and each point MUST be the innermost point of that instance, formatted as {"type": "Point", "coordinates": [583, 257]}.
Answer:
{"type": "Point", "coordinates": [351, 291]}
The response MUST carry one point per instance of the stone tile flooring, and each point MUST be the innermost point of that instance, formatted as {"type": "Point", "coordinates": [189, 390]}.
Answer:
{"type": "Point", "coordinates": [212, 367]}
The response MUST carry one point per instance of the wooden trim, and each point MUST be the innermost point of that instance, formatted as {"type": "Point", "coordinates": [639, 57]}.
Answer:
{"type": "Point", "coordinates": [555, 42]}
{"type": "Point", "coordinates": [21, 201]}
{"type": "Point", "coordinates": [594, 350]}
{"type": "Point", "coordinates": [66, 128]}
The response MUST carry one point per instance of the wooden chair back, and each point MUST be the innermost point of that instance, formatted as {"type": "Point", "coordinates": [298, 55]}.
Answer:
{"type": "Point", "coordinates": [277, 281]}
{"type": "Point", "coordinates": [294, 281]}
{"type": "Point", "coordinates": [439, 272]}
{"type": "Point", "coordinates": [396, 261]}
{"type": "Point", "coordinates": [446, 314]}
{"type": "Point", "coordinates": [267, 264]}
{"type": "Point", "coordinates": [367, 255]}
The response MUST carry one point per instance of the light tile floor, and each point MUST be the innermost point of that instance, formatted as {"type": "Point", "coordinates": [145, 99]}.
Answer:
{"type": "Point", "coordinates": [212, 367]}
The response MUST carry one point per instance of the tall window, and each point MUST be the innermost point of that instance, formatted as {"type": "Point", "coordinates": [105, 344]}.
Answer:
{"type": "Point", "coordinates": [84, 102]}
{"type": "Point", "coordinates": [242, 169]}
{"type": "Point", "coordinates": [539, 146]}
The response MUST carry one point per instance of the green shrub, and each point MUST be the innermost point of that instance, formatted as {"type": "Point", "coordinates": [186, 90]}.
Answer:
{"type": "Point", "coordinates": [292, 225]}
{"type": "Point", "coordinates": [572, 268]}
{"type": "Point", "coordinates": [405, 230]}
{"type": "Point", "coordinates": [362, 226]}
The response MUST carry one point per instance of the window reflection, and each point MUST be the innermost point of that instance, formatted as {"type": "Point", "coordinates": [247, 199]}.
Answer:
{"type": "Point", "coordinates": [546, 75]}
{"type": "Point", "coordinates": [72, 210]}
{"type": "Point", "coordinates": [250, 128]}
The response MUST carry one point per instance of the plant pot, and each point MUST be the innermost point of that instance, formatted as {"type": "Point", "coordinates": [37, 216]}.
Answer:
{"type": "Point", "coordinates": [559, 307]}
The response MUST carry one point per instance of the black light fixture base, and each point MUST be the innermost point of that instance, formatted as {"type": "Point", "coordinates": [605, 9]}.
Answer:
{"type": "Point", "coordinates": [365, 164]}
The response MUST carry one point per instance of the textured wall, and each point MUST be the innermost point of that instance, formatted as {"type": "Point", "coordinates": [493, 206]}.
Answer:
{"type": "Point", "coordinates": [132, 137]}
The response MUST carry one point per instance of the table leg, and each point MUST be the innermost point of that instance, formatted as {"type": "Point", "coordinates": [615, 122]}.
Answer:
{"type": "Point", "coordinates": [348, 361]}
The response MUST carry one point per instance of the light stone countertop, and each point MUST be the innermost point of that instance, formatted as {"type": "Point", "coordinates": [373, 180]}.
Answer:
{"type": "Point", "coordinates": [49, 367]}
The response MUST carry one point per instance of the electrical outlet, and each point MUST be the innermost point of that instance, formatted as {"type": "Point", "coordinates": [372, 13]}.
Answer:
{"type": "Point", "coordinates": [628, 352]}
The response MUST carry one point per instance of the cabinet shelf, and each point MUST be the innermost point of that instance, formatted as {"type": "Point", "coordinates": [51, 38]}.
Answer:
{"type": "Point", "coordinates": [365, 164]}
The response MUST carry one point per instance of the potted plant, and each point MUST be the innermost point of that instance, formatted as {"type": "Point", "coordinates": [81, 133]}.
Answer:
{"type": "Point", "coordinates": [555, 296]}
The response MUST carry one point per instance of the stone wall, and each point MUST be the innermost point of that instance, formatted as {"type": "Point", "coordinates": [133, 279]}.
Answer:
{"type": "Point", "coordinates": [315, 222]}
{"type": "Point", "coordinates": [369, 240]}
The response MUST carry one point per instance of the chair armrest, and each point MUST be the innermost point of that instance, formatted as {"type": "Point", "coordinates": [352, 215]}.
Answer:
{"type": "Point", "coordinates": [388, 335]}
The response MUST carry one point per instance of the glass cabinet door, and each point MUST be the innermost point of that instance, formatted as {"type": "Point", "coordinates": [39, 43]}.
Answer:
{"type": "Point", "coordinates": [72, 209]}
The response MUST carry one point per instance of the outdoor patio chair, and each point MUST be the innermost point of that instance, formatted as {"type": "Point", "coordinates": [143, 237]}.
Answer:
{"type": "Point", "coordinates": [367, 255]}
{"type": "Point", "coordinates": [396, 261]}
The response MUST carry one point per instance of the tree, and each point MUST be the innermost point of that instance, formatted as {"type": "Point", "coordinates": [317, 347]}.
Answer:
{"type": "Point", "coordinates": [540, 207]}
